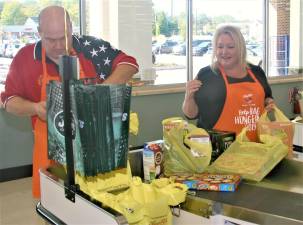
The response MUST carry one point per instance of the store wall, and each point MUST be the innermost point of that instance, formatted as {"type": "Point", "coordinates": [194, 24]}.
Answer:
{"type": "Point", "coordinates": [16, 136]}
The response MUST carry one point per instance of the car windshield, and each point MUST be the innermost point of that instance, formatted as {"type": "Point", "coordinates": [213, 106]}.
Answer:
{"type": "Point", "coordinates": [204, 44]}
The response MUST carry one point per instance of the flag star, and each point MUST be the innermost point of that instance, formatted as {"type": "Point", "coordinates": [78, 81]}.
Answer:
{"type": "Point", "coordinates": [102, 48]}
{"type": "Point", "coordinates": [106, 61]}
{"type": "Point", "coordinates": [94, 52]}
{"type": "Point", "coordinates": [98, 64]}
{"type": "Point", "coordinates": [86, 43]}
{"type": "Point", "coordinates": [102, 76]}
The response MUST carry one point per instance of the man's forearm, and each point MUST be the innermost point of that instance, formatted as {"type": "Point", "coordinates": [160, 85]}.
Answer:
{"type": "Point", "coordinates": [122, 74]}
{"type": "Point", "coordinates": [20, 107]}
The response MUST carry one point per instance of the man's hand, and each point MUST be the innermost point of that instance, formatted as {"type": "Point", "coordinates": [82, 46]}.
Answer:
{"type": "Point", "coordinates": [40, 109]}
{"type": "Point", "coordinates": [23, 107]}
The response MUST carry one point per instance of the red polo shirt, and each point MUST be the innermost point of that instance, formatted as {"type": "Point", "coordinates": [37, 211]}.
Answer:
{"type": "Point", "coordinates": [98, 59]}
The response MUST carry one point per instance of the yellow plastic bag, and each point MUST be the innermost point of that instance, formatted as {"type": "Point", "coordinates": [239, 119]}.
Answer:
{"type": "Point", "coordinates": [282, 128]}
{"type": "Point", "coordinates": [251, 160]}
{"type": "Point", "coordinates": [145, 204]}
{"type": "Point", "coordinates": [133, 123]}
{"type": "Point", "coordinates": [187, 149]}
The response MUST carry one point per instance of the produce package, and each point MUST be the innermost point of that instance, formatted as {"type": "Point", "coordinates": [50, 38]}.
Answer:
{"type": "Point", "coordinates": [187, 149]}
{"type": "Point", "coordinates": [278, 125]}
{"type": "Point", "coordinates": [252, 160]}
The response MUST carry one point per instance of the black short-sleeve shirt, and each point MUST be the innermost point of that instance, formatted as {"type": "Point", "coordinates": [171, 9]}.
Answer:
{"type": "Point", "coordinates": [211, 96]}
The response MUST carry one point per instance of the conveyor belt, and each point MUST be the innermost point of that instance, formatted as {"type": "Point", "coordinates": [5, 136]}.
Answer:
{"type": "Point", "coordinates": [279, 195]}
{"type": "Point", "coordinates": [276, 202]}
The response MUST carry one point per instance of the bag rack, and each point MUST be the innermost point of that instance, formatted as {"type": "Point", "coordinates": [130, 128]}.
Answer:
{"type": "Point", "coordinates": [68, 70]}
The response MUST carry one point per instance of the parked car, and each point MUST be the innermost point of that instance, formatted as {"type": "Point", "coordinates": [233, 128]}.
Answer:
{"type": "Point", "coordinates": [202, 48]}
{"type": "Point", "coordinates": [2, 50]}
{"type": "Point", "coordinates": [166, 47]}
{"type": "Point", "coordinates": [254, 56]}
{"type": "Point", "coordinates": [12, 50]}
{"type": "Point", "coordinates": [181, 48]}
{"type": "Point", "coordinates": [153, 58]}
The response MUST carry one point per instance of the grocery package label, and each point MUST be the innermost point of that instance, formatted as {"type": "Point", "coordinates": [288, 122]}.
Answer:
{"type": "Point", "coordinates": [174, 123]}
{"type": "Point", "coordinates": [152, 160]}
{"type": "Point", "coordinates": [200, 139]}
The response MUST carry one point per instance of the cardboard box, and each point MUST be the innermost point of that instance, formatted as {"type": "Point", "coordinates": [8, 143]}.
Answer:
{"type": "Point", "coordinates": [153, 160]}
{"type": "Point", "coordinates": [211, 182]}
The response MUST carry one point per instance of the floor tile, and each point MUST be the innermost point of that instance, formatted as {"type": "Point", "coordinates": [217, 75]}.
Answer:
{"type": "Point", "coordinates": [17, 207]}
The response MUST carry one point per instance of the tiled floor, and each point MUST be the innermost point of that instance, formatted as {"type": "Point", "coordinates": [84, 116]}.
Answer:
{"type": "Point", "coordinates": [17, 207]}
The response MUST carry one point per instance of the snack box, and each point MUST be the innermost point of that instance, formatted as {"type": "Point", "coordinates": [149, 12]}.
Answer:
{"type": "Point", "coordinates": [211, 182]}
{"type": "Point", "coordinates": [220, 141]}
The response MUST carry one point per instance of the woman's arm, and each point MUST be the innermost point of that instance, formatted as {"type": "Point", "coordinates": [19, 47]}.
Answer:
{"type": "Point", "coordinates": [189, 107]}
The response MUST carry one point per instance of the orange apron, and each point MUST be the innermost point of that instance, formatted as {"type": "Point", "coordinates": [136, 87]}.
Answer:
{"type": "Point", "coordinates": [40, 154]}
{"type": "Point", "coordinates": [243, 105]}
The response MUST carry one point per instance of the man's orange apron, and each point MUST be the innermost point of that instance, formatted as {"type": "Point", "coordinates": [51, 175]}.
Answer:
{"type": "Point", "coordinates": [40, 154]}
{"type": "Point", "coordinates": [243, 105]}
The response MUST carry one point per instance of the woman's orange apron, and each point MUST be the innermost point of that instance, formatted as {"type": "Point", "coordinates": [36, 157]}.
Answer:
{"type": "Point", "coordinates": [243, 105]}
{"type": "Point", "coordinates": [40, 154]}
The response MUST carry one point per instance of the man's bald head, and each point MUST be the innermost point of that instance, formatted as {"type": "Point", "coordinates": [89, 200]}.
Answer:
{"type": "Point", "coordinates": [52, 14]}
{"type": "Point", "coordinates": [55, 30]}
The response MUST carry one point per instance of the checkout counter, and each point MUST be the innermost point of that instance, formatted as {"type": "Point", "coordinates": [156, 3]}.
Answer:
{"type": "Point", "coordinates": [277, 199]}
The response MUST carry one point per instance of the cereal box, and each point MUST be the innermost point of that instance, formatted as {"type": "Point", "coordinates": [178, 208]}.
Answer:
{"type": "Point", "coordinates": [212, 182]}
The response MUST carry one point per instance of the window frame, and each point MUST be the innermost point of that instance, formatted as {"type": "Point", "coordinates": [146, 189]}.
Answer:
{"type": "Point", "coordinates": [180, 87]}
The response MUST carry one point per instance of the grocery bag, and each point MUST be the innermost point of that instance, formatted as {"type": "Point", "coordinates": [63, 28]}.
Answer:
{"type": "Point", "coordinates": [252, 160]}
{"type": "Point", "coordinates": [100, 125]}
{"type": "Point", "coordinates": [142, 203]}
{"type": "Point", "coordinates": [280, 127]}
{"type": "Point", "coordinates": [187, 149]}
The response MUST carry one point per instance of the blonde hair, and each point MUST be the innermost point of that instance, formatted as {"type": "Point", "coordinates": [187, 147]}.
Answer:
{"type": "Point", "coordinates": [236, 35]}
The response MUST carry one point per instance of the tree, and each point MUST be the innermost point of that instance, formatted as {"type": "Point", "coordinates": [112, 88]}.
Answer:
{"type": "Point", "coordinates": [173, 28]}
{"type": "Point", "coordinates": [12, 14]}
{"type": "Point", "coordinates": [200, 21]}
{"type": "Point", "coordinates": [162, 24]}
{"type": "Point", "coordinates": [73, 9]}
{"type": "Point", "coordinates": [165, 25]}
{"type": "Point", "coordinates": [182, 25]}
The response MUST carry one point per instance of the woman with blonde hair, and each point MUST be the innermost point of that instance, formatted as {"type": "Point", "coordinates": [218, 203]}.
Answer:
{"type": "Point", "coordinates": [230, 93]}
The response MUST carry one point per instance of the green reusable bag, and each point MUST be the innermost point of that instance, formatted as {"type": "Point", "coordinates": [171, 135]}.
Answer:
{"type": "Point", "coordinates": [252, 160]}
{"type": "Point", "coordinates": [187, 149]}
{"type": "Point", "coordinates": [100, 126]}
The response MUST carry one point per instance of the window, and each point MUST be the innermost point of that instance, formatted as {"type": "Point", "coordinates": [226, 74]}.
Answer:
{"type": "Point", "coordinates": [209, 14]}
{"type": "Point", "coordinates": [154, 31]}
{"type": "Point", "coordinates": [18, 27]}
{"type": "Point", "coordinates": [285, 31]}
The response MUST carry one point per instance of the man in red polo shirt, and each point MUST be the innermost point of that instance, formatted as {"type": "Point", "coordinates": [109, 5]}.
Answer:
{"type": "Point", "coordinates": [36, 64]}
